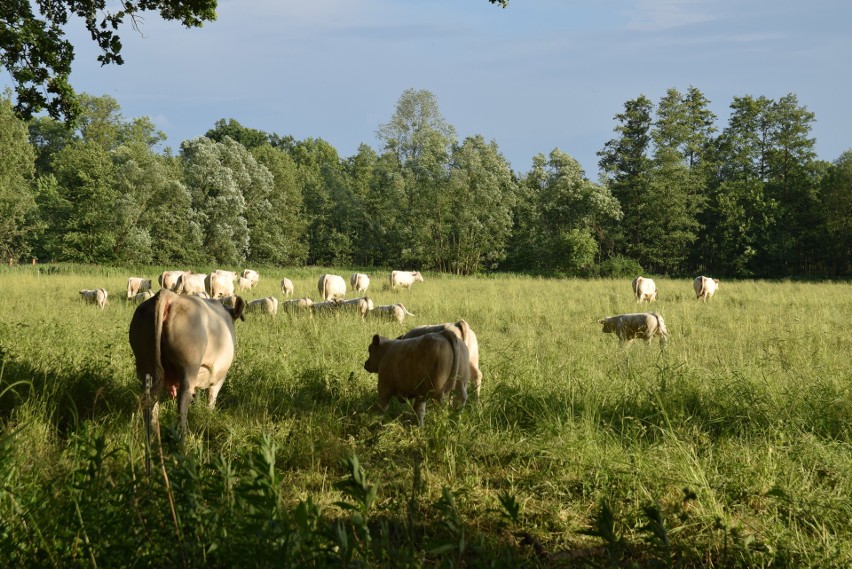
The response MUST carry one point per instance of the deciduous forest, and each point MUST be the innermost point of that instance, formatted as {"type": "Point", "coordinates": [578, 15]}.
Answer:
{"type": "Point", "coordinates": [678, 192]}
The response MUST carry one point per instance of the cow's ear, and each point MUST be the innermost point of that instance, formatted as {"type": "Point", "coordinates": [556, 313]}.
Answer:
{"type": "Point", "coordinates": [376, 339]}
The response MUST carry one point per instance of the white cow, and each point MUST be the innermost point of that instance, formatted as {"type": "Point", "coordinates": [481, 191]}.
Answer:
{"type": "Point", "coordinates": [705, 288]}
{"type": "Point", "coordinates": [168, 279]}
{"type": "Point", "coordinates": [287, 287]}
{"type": "Point", "coordinates": [266, 305]}
{"type": "Point", "coordinates": [360, 305]}
{"type": "Point", "coordinates": [396, 312]}
{"type": "Point", "coordinates": [360, 282]}
{"type": "Point", "coordinates": [181, 344]}
{"type": "Point", "coordinates": [97, 296]}
{"type": "Point", "coordinates": [135, 285]}
{"type": "Point", "coordinates": [245, 284]}
{"type": "Point", "coordinates": [404, 278]}
{"type": "Point", "coordinates": [190, 283]}
{"type": "Point", "coordinates": [644, 289]}
{"type": "Point", "coordinates": [252, 276]}
{"type": "Point", "coordinates": [331, 286]}
{"type": "Point", "coordinates": [642, 325]}
{"type": "Point", "coordinates": [220, 283]}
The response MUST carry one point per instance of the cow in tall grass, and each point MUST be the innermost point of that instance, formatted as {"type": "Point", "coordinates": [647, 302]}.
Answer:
{"type": "Point", "coordinates": [404, 279]}
{"type": "Point", "coordinates": [466, 334]}
{"type": "Point", "coordinates": [643, 325]}
{"type": "Point", "coordinates": [705, 288]}
{"type": "Point", "coordinates": [644, 289]}
{"type": "Point", "coordinates": [331, 287]}
{"type": "Point", "coordinates": [135, 285]}
{"type": "Point", "coordinates": [97, 296]}
{"type": "Point", "coordinates": [428, 366]}
{"type": "Point", "coordinates": [182, 343]}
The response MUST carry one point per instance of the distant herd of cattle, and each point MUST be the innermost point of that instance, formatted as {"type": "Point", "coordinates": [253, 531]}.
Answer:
{"type": "Point", "coordinates": [183, 337]}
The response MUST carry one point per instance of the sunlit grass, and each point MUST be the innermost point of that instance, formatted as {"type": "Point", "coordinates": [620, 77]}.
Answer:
{"type": "Point", "coordinates": [738, 431]}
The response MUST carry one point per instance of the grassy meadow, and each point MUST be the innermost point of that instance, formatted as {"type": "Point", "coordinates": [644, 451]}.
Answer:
{"type": "Point", "coordinates": [730, 448]}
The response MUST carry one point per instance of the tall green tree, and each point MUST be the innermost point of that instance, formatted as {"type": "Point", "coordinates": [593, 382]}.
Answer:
{"type": "Point", "coordinates": [626, 164]}
{"type": "Point", "coordinates": [562, 218]}
{"type": "Point", "coordinates": [679, 177]}
{"type": "Point", "coordinates": [34, 50]}
{"type": "Point", "coordinates": [482, 193]}
{"type": "Point", "coordinates": [835, 223]}
{"type": "Point", "coordinates": [17, 198]}
{"type": "Point", "coordinates": [217, 198]}
{"type": "Point", "coordinates": [283, 242]}
{"type": "Point", "coordinates": [326, 200]}
{"type": "Point", "coordinates": [154, 219]}
{"type": "Point", "coordinates": [421, 140]}
{"type": "Point", "coordinates": [79, 207]}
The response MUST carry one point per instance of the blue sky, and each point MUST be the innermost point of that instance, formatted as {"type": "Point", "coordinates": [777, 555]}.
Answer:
{"type": "Point", "coordinates": [538, 75]}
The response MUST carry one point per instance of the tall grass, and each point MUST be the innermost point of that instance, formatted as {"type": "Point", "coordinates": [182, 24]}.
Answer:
{"type": "Point", "coordinates": [731, 447]}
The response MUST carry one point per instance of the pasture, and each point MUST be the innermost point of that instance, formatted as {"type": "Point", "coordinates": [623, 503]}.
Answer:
{"type": "Point", "coordinates": [730, 448]}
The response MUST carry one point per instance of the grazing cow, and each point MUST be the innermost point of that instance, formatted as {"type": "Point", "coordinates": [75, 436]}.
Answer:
{"type": "Point", "coordinates": [135, 285]}
{"type": "Point", "coordinates": [266, 305]}
{"type": "Point", "coordinates": [466, 334]}
{"type": "Point", "coordinates": [190, 283]}
{"type": "Point", "coordinates": [143, 296]}
{"type": "Point", "coordinates": [169, 279]}
{"type": "Point", "coordinates": [404, 278]}
{"type": "Point", "coordinates": [644, 289]}
{"type": "Point", "coordinates": [326, 306]}
{"type": "Point", "coordinates": [331, 286]}
{"type": "Point", "coordinates": [360, 282]}
{"type": "Point", "coordinates": [642, 325]}
{"type": "Point", "coordinates": [360, 305]}
{"type": "Point", "coordinates": [245, 284]}
{"type": "Point", "coordinates": [297, 305]}
{"type": "Point", "coordinates": [182, 343]}
{"type": "Point", "coordinates": [419, 368]}
{"type": "Point", "coordinates": [705, 288]}
{"type": "Point", "coordinates": [219, 284]}
{"type": "Point", "coordinates": [97, 296]}
{"type": "Point", "coordinates": [396, 312]}
{"type": "Point", "coordinates": [252, 276]}
{"type": "Point", "coordinates": [287, 287]}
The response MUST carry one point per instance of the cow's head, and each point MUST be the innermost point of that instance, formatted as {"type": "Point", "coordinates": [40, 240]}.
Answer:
{"type": "Point", "coordinates": [608, 325]}
{"type": "Point", "coordinates": [376, 352]}
{"type": "Point", "coordinates": [239, 309]}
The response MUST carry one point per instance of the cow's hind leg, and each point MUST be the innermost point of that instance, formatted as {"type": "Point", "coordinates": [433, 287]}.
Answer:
{"type": "Point", "coordinates": [213, 392]}
{"type": "Point", "coordinates": [420, 409]}
{"type": "Point", "coordinates": [184, 399]}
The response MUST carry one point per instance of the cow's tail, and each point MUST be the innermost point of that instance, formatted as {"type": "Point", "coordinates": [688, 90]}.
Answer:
{"type": "Point", "coordinates": [662, 331]}
{"type": "Point", "coordinates": [405, 310]}
{"type": "Point", "coordinates": [161, 311]}
{"type": "Point", "coordinates": [457, 363]}
{"type": "Point", "coordinates": [464, 328]}
{"type": "Point", "coordinates": [703, 290]}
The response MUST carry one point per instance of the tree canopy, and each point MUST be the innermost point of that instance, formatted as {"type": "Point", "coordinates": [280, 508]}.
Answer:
{"type": "Point", "coordinates": [36, 53]}
{"type": "Point", "coordinates": [672, 196]}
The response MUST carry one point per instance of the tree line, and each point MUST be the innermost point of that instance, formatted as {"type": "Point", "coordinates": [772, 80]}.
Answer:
{"type": "Point", "coordinates": [674, 195]}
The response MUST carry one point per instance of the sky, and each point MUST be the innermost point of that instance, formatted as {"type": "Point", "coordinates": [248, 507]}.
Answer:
{"type": "Point", "coordinates": [538, 75]}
